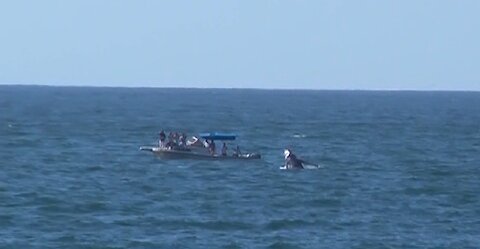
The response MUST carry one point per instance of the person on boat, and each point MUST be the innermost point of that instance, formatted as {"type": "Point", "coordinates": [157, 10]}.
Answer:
{"type": "Point", "coordinates": [162, 143]}
{"type": "Point", "coordinates": [291, 161]}
{"type": "Point", "coordinates": [176, 138]}
{"type": "Point", "coordinates": [211, 147]}
{"type": "Point", "coordinates": [182, 140]}
{"type": "Point", "coordinates": [170, 136]}
{"type": "Point", "coordinates": [224, 149]}
{"type": "Point", "coordinates": [171, 144]}
{"type": "Point", "coordinates": [237, 152]}
{"type": "Point", "coordinates": [206, 143]}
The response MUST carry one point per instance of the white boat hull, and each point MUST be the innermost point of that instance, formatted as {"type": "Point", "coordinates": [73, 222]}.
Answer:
{"type": "Point", "coordinates": [195, 153]}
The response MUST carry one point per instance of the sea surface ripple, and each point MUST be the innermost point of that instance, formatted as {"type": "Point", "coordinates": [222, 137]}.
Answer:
{"type": "Point", "coordinates": [399, 169]}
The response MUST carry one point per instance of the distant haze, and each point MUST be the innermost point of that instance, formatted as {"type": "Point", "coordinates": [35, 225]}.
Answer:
{"type": "Point", "coordinates": [392, 45]}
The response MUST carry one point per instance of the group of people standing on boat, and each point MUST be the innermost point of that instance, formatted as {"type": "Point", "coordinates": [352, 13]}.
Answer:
{"type": "Point", "coordinates": [175, 140]}
{"type": "Point", "coordinates": [210, 145]}
{"type": "Point", "coordinates": [178, 141]}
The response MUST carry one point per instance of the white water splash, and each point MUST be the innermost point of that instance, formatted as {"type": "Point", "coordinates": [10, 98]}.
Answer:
{"type": "Point", "coordinates": [299, 136]}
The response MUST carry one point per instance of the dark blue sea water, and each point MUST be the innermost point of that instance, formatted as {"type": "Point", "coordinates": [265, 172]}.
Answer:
{"type": "Point", "coordinates": [400, 169]}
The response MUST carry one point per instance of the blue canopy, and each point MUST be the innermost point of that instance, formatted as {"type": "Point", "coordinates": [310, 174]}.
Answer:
{"type": "Point", "coordinates": [218, 136]}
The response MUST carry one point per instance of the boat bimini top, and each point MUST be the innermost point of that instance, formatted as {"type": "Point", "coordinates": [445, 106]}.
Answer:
{"type": "Point", "coordinates": [218, 136]}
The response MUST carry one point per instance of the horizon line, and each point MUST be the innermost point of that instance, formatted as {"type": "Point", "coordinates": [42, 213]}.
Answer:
{"type": "Point", "coordinates": [249, 88]}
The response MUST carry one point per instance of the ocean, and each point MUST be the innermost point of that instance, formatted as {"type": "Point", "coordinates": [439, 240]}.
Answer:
{"type": "Point", "coordinates": [399, 169]}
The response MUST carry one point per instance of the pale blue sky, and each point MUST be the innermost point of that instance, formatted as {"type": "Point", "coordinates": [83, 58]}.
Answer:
{"type": "Point", "coordinates": [357, 44]}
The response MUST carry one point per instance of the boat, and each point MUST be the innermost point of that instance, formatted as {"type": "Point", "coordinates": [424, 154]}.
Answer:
{"type": "Point", "coordinates": [196, 149]}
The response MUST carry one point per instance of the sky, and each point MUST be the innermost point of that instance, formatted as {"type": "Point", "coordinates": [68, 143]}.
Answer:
{"type": "Point", "coordinates": [318, 44]}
